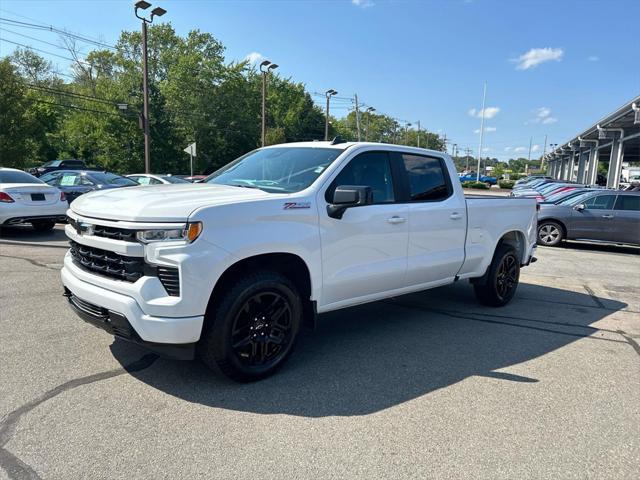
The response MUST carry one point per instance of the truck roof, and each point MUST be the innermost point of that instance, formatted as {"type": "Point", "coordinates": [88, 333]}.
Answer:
{"type": "Point", "coordinates": [345, 145]}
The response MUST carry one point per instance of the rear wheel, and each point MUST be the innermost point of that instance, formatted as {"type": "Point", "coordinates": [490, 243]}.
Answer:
{"type": "Point", "coordinates": [43, 225]}
{"type": "Point", "coordinates": [550, 234]}
{"type": "Point", "coordinates": [501, 282]}
{"type": "Point", "coordinates": [252, 328]}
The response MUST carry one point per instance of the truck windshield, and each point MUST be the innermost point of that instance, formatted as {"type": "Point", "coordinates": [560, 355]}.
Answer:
{"type": "Point", "coordinates": [278, 169]}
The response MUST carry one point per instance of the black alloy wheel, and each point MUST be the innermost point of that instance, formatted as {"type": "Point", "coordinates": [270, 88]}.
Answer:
{"type": "Point", "coordinates": [262, 329]}
{"type": "Point", "coordinates": [507, 276]}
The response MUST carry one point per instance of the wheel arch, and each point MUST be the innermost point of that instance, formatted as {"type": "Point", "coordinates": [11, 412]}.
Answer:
{"type": "Point", "coordinates": [290, 265]}
{"type": "Point", "coordinates": [515, 239]}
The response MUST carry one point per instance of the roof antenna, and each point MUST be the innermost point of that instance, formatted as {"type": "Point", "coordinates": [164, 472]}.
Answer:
{"type": "Point", "coordinates": [338, 139]}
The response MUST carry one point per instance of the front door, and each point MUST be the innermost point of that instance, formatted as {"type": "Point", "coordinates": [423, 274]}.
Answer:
{"type": "Point", "coordinates": [364, 253]}
{"type": "Point", "coordinates": [595, 222]}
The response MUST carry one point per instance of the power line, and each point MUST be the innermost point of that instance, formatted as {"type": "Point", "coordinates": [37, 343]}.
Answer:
{"type": "Point", "coordinates": [74, 107]}
{"type": "Point", "coordinates": [51, 28]}
{"type": "Point", "coordinates": [72, 94]}
{"type": "Point", "coordinates": [43, 51]}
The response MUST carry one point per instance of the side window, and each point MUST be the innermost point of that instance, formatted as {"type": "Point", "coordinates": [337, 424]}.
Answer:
{"type": "Point", "coordinates": [427, 178]}
{"type": "Point", "coordinates": [601, 202]}
{"type": "Point", "coordinates": [369, 169]}
{"type": "Point", "coordinates": [154, 181]}
{"type": "Point", "coordinates": [52, 178]}
{"type": "Point", "coordinates": [85, 181]}
{"type": "Point", "coordinates": [141, 180]}
{"type": "Point", "coordinates": [69, 179]}
{"type": "Point", "coordinates": [628, 202]}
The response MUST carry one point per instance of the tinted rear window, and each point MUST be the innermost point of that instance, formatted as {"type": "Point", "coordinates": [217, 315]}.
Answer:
{"type": "Point", "coordinates": [628, 202]}
{"type": "Point", "coordinates": [9, 176]}
{"type": "Point", "coordinates": [172, 179]}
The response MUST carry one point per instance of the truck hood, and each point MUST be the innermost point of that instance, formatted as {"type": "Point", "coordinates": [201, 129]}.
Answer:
{"type": "Point", "coordinates": [160, 203]}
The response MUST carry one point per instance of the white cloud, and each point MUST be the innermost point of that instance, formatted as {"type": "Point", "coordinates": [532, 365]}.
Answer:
{"type": "Point", "coordinates": [593, 58]}
{"type": "Point", "coordinates": [363, 3]}
{"type": "Point", "coordinates": [542, 115]}
{"type": "Point", "coordinates": [486, 149]}
{"type": "Point", "coordinates": [536, 56]}
{"type": "Point", "coordinates": [520, 149]}
{"type": "Point", "coordinates": [486, 129]}
{"type": "Point", "coordinates": [543, 112]}
{"type": "Point", "coordinates": [254, 57]}
{"type": "Point", "coordinates": [508, 149]}
{"type": "Point", "coordinates": [535, 148]}
{"type": "Point", "coordinates": [489, 112]}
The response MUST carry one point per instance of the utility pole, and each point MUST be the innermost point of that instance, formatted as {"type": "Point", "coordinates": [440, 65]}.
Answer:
{"type": "Point", "coordinates": [484, 98]}
{"type": "Point", "coordinates": [418, 133]}
{"type": "Point", "coordinates": [328, 94]}
{"type": "Point", "coordinates": [406, 133]}
{"type": "Point", "coordinates": [468, 155]}
{"type": "Point", "coordinates": [156, 12]}
{"type": "Point", "coordinates": [544, 152]}
{"type": "Point", "coordinates": [265, 67]}
{"type": "Point", "coordinates": [455, 149]}
{"type": "Point", "coordinates": [530, 143]}
{"type": "Point", "coordinates": [357, 116]}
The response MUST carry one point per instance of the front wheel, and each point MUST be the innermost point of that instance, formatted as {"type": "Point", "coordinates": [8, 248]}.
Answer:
{"type": "Point", "coordinates": [502, 279]}
{"type": "Point", "coordinates": [550, 234]}
{"type": "Point", "coordinates": [252, 327]}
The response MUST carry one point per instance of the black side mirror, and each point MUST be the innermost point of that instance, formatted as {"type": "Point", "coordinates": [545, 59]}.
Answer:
{"type": "Point", "coordinates": [347, 196]}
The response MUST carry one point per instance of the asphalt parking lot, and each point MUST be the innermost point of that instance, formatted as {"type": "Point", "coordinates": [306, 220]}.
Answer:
{"type": "Point", "coordinates": [429, 385]}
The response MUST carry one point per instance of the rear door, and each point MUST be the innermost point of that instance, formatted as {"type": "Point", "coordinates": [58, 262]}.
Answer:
{"type": "Point", "coordinates": [595, 222]}
{"type": "Point", "coordinates": [626, 221]}
{"type": "Point", "coordinates": [437, 220]}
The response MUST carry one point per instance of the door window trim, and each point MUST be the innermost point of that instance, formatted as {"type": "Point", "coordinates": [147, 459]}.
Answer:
{"type": "Point", "coordinates": [406, 183]}
{"type": "Point", "coordinates": [395, 180]}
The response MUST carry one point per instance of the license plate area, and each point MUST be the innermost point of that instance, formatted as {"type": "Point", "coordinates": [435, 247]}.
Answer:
{"type": "Point", "coordinates": [37, 197]}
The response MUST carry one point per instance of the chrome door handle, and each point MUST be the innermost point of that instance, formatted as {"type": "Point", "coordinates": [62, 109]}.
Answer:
{"type": "Point", "coordinates": [395, 220]}
{"type": "Point", "coordinates": [607, 216]}
{"type": "Point", "coordinates": [455, 216]}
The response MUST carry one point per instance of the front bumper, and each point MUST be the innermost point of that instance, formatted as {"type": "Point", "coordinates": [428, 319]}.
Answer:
{"type": "Point", "coordinates": [145, 329]}
{"type": "Point", "coordinates": [117, 324]}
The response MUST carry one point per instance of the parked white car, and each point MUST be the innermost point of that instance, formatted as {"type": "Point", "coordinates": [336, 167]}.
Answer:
{"type": "Point", "coordinates": [152, 179]}
{"type": "Point", "coordinates": [27, 199]}
{"type": "Point", "coordinates": [237, 265]}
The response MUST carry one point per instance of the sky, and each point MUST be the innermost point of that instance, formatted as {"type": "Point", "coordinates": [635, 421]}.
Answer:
{"type": "Point", "coordinates": [552, 67]}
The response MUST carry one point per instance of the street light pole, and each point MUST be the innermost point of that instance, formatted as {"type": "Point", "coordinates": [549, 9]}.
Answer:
{"type": "Point", "coordinates": [484, 98]}
{"type": "Point", "coordinates": [406, 134]}
{"type": "Point", "coordinates": [265, 71]}
{"type": "Point", "coordinates": [328, 94]}
{"type": "Point", "coordinates": [156, 12]}
{"type": "Point", "coordinates": [418, 133]}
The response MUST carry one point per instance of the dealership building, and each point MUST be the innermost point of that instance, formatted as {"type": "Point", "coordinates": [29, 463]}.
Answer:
{"type": "Point", "coordinates": [613, 142]}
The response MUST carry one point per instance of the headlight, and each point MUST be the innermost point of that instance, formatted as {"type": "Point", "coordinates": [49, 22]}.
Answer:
{"type": "Point", "coordinates": [188, 234]}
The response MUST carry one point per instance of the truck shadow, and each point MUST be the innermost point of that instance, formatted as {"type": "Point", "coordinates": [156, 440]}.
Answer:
{"type": "Point", "coordinates": [365, 359]}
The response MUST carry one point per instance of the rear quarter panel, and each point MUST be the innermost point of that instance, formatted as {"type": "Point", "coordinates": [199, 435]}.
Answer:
{"type": "Point", "coordinates": [489, 219]}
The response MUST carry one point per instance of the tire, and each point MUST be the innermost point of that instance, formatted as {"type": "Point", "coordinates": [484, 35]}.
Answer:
{"type": "Point", "coordinates": [43, 225]}
{"type": "Point", "coordinates": [550, 234]}
{"type": "Point", "coordinates": [252, 328]}
{"type": "Point", "coordinates": [501, 282]}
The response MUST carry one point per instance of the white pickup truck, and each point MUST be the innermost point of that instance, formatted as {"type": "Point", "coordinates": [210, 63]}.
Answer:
{"type": "Point", "coordinates": [232, 268]}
